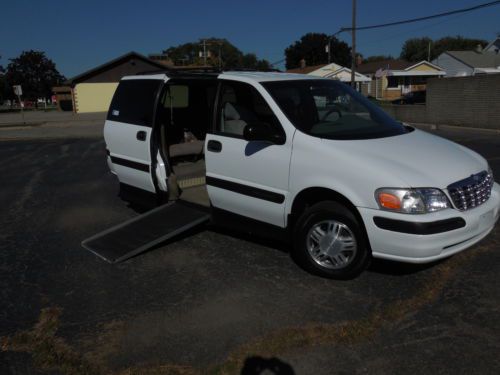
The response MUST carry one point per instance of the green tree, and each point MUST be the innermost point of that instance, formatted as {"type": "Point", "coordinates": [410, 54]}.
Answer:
{"type": "Point", "coordinates": [417, 49]}
{"type": "Point", "coordinates": [312, 48]}
{"type": "Point", "coordinates": [2, 83]}
{"type": "Point", "coordinates": [456, 43]}
{"type": "Point", "coordinates": [3, 89]}
{"type": "Point", "coordinates": [219, 51]}
{"type": "Point", "coordinates": [36, 73]}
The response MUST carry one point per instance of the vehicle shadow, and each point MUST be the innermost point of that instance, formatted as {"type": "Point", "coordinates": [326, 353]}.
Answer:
{"type": "Point", "coordinates": [390, 267]}
{"type": "Point", "coordinates": [259, 365]}
{"type": "Point", "coordinates": [258, 239]}
{"type": "Point", "coordinates": [380, 266]}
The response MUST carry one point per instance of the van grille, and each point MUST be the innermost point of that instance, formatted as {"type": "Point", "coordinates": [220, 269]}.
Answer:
{"type": "Point", "coordinates": [471, 191]}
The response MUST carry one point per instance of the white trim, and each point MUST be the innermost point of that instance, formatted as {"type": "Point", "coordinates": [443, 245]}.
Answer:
{"type": "Point", "coordinates": [486, 70]}
{"type": "Point", "coordinates": [146, 76]}
{"type": "Point", "coordinates": [424, 62]}
{"type": "Point", "coordinates": [358, 76]}
{"type": "Point", "coordinates": [417, 73]}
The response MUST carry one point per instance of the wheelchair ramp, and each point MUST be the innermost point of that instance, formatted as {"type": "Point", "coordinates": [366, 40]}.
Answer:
{"type": "Point", "coordinates": [145, 231]}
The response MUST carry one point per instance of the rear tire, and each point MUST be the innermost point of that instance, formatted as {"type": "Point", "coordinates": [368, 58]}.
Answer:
{"type": "Point", "coordinates": [329, 241]}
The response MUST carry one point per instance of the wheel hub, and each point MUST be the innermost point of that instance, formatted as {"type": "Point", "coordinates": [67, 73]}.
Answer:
{"type": "Point", "coordinates": [331, 244]}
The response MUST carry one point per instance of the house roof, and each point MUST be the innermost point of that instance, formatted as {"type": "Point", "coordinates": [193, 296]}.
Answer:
{"type": "Point", "coordinates": [372, 67]}
{"type": "Point", "coordinates": [344, 75]}
{"type": "Point", "coordinates": [493, 45]}
{"type": "Point", "coordinates": [476, 59]}
{"type": "Point", "coordinates": [131, 55]}
{"type": "Point", "coordinates": [306, 70]}
{"type": "Point", "coordinates": [332, 70]}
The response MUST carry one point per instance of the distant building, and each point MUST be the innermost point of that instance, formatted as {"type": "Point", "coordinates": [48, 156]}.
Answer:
{"type": "Point", "coordinates": [469, 63]}
{"type": "Point", "coordinates": [494, 46]}
{"type": "Point", "coordinates": [161, 58]}
{"type": "Point", "coordinates": [333, 71]}
{"type": "Point", "coordinates": [93, 90]}
{"type": "Point", "coordinates": [391, 79]}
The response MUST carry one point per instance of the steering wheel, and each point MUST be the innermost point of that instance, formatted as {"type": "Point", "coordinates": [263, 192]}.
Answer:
{"type": "Point", "coordinates": [330, 111]}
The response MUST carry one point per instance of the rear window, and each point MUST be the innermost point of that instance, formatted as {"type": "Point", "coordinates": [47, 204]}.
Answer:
{"type": "Point", "coordinates": [134, 101]}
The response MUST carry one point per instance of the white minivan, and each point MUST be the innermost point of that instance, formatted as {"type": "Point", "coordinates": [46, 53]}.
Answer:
{"type": "Point", "coordinates": [306, 158]}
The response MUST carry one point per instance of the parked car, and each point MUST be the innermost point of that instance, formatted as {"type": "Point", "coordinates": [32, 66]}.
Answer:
{"type": "Point", "coordinates": [414, 97]}
{"type": "Point", "coordinates": [307, 158]}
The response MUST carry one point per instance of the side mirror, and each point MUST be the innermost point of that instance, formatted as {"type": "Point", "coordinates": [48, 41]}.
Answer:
{"type": "Point", "coordinates": [260, 131]}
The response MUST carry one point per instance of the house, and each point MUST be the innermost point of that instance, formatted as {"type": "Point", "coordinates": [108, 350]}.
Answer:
{"type": "Point", "coordinates": [469, 63]}
{"type": "Point", "coordinates": [93, 90]}
{"type": "Point", "coordinates": [161, 58]}
{"type": "Point", "coordinates": [333, 71]}
{"type": "Point", "coordinates": [391, 79]}
{"type": "Point", "coordinates": [494, 46]}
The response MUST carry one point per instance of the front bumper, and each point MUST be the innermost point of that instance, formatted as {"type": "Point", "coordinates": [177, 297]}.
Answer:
{"type": "Point", "coordinates": [402, 246]}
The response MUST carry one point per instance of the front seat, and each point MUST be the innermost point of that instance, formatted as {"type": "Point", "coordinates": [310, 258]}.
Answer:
{"type": "Point", "coordinates": [233, 124]}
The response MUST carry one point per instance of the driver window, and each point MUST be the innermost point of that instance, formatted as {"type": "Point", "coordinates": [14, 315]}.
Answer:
{"type": "Point", "coordinates": [242, 104]}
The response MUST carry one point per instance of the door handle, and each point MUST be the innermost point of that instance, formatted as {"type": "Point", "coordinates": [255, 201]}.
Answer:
{"type": "Point", "coordinates": [214, 146]}
{"type": "Point", "coordinates": [141, 135]}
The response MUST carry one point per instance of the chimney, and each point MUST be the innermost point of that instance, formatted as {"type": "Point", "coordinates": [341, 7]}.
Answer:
{"type": "Point", "coordinates": [302, 64]}
{"type": "Point", "coordinates": [359, 60]}
{"type": "Point", "coordinates": [479, 48]}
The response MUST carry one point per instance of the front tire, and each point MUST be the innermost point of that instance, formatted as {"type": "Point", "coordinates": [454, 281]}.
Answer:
{"type": "Point", "coordinates": [329, 241]}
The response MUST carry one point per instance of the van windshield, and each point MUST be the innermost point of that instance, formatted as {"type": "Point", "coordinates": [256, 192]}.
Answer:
{"type": "Point", "coordinates": [331, 109]}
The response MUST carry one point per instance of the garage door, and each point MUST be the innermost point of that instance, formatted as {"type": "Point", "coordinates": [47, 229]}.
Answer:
{"type": "Point", "coordinates": [94, 97]}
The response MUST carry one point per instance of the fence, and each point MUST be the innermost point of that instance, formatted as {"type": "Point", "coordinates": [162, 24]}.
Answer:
{"type": "Point", "coordinates": [462, 101]}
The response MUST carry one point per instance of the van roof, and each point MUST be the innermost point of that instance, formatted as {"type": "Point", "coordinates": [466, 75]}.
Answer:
{"type": "Point", "coordinates": [245, 76]}
{"type": "Point", "coordinates": [264, 76]}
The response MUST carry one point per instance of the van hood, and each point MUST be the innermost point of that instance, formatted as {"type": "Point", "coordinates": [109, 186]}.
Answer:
{"type": "Point", "coordinates": [417, 158]}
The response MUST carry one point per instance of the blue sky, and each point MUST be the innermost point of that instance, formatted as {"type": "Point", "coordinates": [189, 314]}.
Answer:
{"type": "Point", "coordinates": [78, 35]}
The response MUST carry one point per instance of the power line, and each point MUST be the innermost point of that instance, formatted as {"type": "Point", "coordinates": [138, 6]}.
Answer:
{"type": "Point", "coordinates": [278, 62]}
{"type": "Point", "coordinates": [464, 10]}
{"type": "Point", "coordinates": [386, 37]}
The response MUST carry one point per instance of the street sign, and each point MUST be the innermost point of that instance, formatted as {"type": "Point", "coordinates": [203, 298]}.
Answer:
{"type": "Point", "coordinates": [18, 90]}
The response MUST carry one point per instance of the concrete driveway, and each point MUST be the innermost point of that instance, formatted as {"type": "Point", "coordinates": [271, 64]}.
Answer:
{"type": "Point", "coordinates": [214, 301]}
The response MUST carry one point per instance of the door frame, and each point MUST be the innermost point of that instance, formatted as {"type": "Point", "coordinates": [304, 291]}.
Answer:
{"type": "Point", "coordinates": [156, 149]}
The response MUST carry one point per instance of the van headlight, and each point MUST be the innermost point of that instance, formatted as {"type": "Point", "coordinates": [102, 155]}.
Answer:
{"type": "Point", "coordinates": [411, 201]}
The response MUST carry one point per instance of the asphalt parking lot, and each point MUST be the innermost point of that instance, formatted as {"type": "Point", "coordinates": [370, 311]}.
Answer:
{"type": "Point", "coordinates": [214, 301]}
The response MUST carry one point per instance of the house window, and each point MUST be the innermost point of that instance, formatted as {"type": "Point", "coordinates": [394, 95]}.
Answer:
{"type": "Point", "coordinates": [419, 80]}
{"type": "Point", "coordinates": [392, 82]}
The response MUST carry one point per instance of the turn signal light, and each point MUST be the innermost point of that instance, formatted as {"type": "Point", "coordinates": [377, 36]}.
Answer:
{"type": "Point", "coordinates": [389, 201]}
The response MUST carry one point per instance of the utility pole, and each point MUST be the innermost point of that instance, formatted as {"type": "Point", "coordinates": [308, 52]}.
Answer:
{"type": "Point", "coordinates": [429, 52]}
{"type": "Point", "coordinates": [329, 48]}
{"type": "Point", "coordinates": [204, 52]}
{"type": "Point", "coordinates": [220, 56]}
{"type": "Point", "coordinates": [204, 44]}
{"type": "Point", "coordinates": [353, 62]}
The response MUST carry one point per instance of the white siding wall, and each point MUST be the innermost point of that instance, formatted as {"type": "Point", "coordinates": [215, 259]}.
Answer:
{"type": "Point", "coordinates": [452, 66]}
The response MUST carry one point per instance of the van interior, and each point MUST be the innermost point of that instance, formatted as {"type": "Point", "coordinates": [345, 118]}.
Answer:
{"type": "Point", "coordinates": [185, 115]}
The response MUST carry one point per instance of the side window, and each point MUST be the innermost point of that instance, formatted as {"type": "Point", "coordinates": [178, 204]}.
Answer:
{"type": "Point", "coordinates": [134, 102]}
{"type": "Point", "coordinates": [176, 96]}
{"type": "Point", "coordinates": [239, 105]}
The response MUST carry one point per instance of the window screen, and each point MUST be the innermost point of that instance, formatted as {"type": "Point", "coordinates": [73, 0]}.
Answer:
{"type": "Point", "coordinates": [134, 101]}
